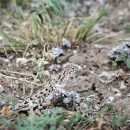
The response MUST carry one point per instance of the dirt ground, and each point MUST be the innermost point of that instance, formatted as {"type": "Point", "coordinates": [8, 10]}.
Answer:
{"type": "Point", "coordinates": [92, 57]}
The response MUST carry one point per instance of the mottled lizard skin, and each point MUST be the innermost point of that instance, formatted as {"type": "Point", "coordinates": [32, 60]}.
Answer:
{"type": "Point", "coordinates": [39, 100]}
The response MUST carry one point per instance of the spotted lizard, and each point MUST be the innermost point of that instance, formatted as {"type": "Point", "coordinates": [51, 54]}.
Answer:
{"type": "Point", "coordinates": [39, 100]}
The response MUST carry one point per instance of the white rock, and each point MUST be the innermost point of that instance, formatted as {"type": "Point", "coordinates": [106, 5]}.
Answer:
{"type": "Point", "coordinates": [120, 13]}
{"type": "Point", "coordinates": [74, 51]}
{"type": "Point", "coordinates": [25, 23]}
{"type": "Point", "coordinates": [46, 62]}
{"type": "Point", "coordinates": [4, 60]}
{"type": "Point", "coordinates": [47, 73]}
{"type": "Point", "coordinates": [1, 88]}
{"type": "Point", "coordinates": [118, 94]}
{"type": "Point", "coordinates": [21, 61]}
{"type": "Point", "coordinates": [111, 99]}
{"type": "Point", "coordinates": [1, 38]}
{"type": "Point", "coordinates": [122, 85]}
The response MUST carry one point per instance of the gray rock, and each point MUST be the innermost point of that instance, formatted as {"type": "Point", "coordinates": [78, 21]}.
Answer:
{"type": "Point", "coordinates": [78, 59]}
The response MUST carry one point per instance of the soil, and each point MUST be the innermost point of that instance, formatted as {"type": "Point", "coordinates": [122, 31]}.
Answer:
{"type": "Point", "coordinates": [91, 56]}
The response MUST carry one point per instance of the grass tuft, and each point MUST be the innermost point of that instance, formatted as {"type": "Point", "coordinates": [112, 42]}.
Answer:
{"type": "Point", "coordinates": [46, 24]}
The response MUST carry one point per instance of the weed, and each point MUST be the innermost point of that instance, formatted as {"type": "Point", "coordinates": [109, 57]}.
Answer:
{"type": "Point", "coordinates": [123, 58]}
{"type": "Point", "coordinates": [51, 120]}
{"type": "Point", "coordinates": [119, 120]}
{"type": "Point", "coordinates": [126, 25]}
{"type": "Point", "coordinates": [84, 30]}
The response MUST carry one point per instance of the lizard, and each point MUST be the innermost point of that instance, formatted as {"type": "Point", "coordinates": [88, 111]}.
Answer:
{"type": "Point", "coordinates": [40, 100]}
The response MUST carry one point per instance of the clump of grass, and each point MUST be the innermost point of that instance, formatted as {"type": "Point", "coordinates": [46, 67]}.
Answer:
{"type": "Point", "coordinates": [126, 25]}
{"type": "Point", "coordinates": [46, 24]}
{"type": "Point", "coordinates": [84, 29]}
{"type": "Point", "coordinates": [119, 120]}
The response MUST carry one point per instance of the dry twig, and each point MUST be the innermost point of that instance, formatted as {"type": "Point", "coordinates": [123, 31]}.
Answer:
{"type": "Point", "coordinates": [20, 79]}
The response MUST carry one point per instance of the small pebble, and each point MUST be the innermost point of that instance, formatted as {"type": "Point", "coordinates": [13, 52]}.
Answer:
{"type": "Point", "coordinates": [1, 88]}
{"type": "Point", "coordinates": [111, 99]}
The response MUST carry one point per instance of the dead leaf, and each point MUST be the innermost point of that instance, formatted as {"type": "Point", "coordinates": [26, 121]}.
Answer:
{"type": "Point", "coordinates": [100, 121]}
{"type": "Point", "coordinates": [5, 111]}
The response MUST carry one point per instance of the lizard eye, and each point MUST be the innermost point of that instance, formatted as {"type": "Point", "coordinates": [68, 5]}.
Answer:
{"type": "Point", "coordinates": [74, 69]}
